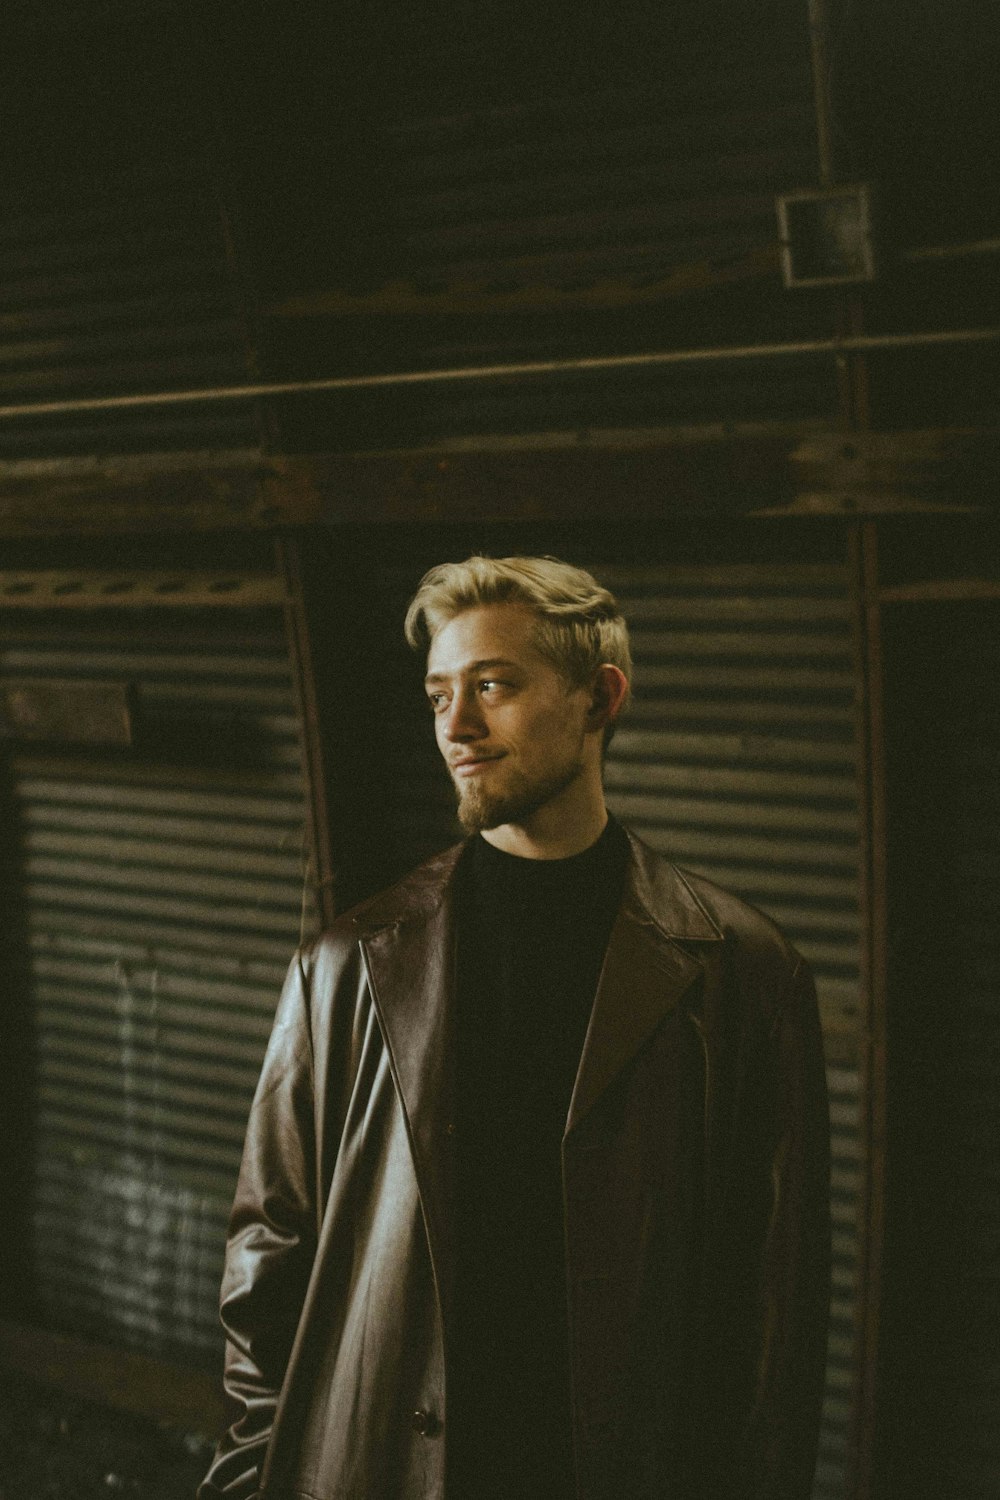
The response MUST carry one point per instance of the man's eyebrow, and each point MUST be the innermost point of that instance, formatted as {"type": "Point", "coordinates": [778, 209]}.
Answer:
{"type": "Point", "coordinates": [489, 664]}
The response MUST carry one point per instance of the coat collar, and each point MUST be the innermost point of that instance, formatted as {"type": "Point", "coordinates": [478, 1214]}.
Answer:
{"type": "Point", "coordinates": [656, 894]}
{"type": "Point", "coordinates": [646, 971]}
{"type": "Point", "coordinates": [408, 938]}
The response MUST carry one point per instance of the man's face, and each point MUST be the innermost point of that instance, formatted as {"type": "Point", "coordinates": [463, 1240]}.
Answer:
{"type": "Point", "coordinates": [510, 727]}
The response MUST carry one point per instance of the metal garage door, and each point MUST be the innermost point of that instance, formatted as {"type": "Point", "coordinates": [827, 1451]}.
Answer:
{"type": "Point", "coordinates": [163, 890]}
{"type": "Point", "coordinates": [737, 760]}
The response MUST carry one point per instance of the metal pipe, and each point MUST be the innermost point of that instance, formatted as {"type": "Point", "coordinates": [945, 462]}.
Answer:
{"type": "Point", "coordinates": [655, 360]}
{"type": "Point", "coordinates": [952, 252]}
{"type": "Point", "coordinates": [819, 30]}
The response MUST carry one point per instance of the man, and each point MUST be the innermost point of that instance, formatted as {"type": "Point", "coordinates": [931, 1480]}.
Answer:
{"type": "Point", "coordinates": [534, 1197]}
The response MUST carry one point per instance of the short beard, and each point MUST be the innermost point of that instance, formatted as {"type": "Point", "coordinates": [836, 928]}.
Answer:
{"type": "Point", "coordinates": [479, 809]}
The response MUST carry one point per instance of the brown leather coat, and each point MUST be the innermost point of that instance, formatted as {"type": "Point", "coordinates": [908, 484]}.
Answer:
{"type": "Point", "coordinates": [695, 1166]}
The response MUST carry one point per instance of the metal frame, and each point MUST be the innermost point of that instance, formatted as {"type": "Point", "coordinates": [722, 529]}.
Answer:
{"type": "Point", "coordinates": [288, 553]}
{"type": "Point", "coordinates": [863, 543]}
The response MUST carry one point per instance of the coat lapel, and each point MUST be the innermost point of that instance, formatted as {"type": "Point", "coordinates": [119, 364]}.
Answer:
{"type": "Point", "coordinates": [409, 947]}
{"type": "Point", "coordinates": [645, 974]}
{"type": "Point", "coordinates": [408, 939]}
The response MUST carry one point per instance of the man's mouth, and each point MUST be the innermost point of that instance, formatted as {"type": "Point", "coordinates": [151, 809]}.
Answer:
{"type": "Point", "coordinates": [469, 765]}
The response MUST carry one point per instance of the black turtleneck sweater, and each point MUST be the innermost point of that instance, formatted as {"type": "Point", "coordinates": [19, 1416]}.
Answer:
{"type": "Point", "coordinates": [532, 938]}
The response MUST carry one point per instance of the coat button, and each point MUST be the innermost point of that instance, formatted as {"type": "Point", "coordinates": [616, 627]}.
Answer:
{"type": "Point", "coordinates": [426, 1423]}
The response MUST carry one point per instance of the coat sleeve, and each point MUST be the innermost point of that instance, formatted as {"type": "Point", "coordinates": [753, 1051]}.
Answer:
{"type": "Point", "coordinates": [271, 1244]}
{"type": "Point", "coordinates": [794, 1274]}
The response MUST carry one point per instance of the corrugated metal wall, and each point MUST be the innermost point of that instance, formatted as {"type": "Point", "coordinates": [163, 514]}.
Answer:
{"type": "Point", "coordinates": [117, 272]}
{"type": "Point", "coordinates": [492, 207]}
{"type": "Point", "coordinates": [737, 759]}
{"type": "Point", "coordinates": [113, 283]}
{"type": "Point", "coordinates": [162, 891]}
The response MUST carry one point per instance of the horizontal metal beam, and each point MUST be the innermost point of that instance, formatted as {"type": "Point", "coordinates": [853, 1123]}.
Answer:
{"type": "Point", "coordinates": [951, 252]}
{"type": "Point", "coordinates": [83, 588]}
{"type": "Point", "coordinates": [521, 370]}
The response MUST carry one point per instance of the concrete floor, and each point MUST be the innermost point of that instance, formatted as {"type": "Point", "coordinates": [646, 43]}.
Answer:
{"type": "Point", "coordinates": [55, 1447]}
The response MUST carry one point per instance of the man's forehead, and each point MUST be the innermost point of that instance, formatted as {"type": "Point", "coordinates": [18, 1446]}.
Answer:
{"type": "Point", "coordinates": [490, 635]}
{"type": "Point", "coordinates": [437, 672]}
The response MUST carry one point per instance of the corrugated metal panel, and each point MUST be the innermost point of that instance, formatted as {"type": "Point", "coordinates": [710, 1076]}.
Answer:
{"type": "Point", "coordinates": [657, 141]}
{"type": "Point", "coordinates": [163, 893]}
{"type": "Point", "coordinates": [621, 200]}
{"type": "Point", "coordinates": [737, 759]}
{"type": "Point", "coordinates": [113, 283]}
{"type": "Point", "coordinates": [115, 275]}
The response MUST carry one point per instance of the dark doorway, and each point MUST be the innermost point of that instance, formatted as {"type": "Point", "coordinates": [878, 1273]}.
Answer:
{"type": "Point", "coordinates": [942, 1408]}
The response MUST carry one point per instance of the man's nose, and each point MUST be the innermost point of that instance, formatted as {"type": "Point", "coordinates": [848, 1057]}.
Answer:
{"type": "Point", "coordinates": [463, 718]}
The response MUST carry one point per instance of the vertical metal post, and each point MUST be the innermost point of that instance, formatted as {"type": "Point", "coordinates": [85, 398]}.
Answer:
{"type": "Point", "coordinates": [874, 968]}
{"type": "Point", "coordinates": [289, 558]}
{"type": "Point", "coordinates": [819, 46]}
{"type": "Point", "coordinates": [853, 382]}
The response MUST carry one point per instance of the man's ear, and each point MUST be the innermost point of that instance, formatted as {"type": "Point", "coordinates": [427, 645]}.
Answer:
{"type": "Point", "coordinates": [607, 695]}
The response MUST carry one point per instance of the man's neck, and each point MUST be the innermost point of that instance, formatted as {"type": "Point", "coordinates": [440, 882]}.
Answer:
{"type": "Point", "coordinates": [549, 834]}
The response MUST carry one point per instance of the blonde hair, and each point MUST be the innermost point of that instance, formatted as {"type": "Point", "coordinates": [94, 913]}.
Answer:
{"type": "Point", "coordinates": [578, 623]}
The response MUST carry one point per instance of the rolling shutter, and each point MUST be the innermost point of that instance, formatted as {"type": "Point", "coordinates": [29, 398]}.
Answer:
{"type": "Point", "coordinates": [163, 889]}
{"type": "Point", "coordinates": [737, 760]}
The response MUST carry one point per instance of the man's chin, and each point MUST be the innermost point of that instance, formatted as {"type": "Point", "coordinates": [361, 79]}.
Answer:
{"type": "Point", "coordinates": [476, 816]}
{"type": "Point", "coordinates": [478, 812]}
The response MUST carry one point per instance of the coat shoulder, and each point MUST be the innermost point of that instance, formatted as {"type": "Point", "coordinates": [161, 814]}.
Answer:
{"type": "Point", "coordinates": [760, 962]}
{"type": "Point", "coordinates": [416, 894]}
{"type": "Point", "coordinates": [739, 921]}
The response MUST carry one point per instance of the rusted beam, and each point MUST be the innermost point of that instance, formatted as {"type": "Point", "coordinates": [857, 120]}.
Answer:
{"type": "Point", "coordinates": [890, 472]}
{"type": "Point", "coordinates": [753, 469]}
{"type": "Point", "coordinates": [170, 1393]}
{"type": "Point", "coordinates": [577, 481]}
{"type": "Point", "coordinates": [123, 588]}
{"type": "Point", "coordinates": [762, 472]}
{"type": "Point", "coordinates": [119, 496]}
